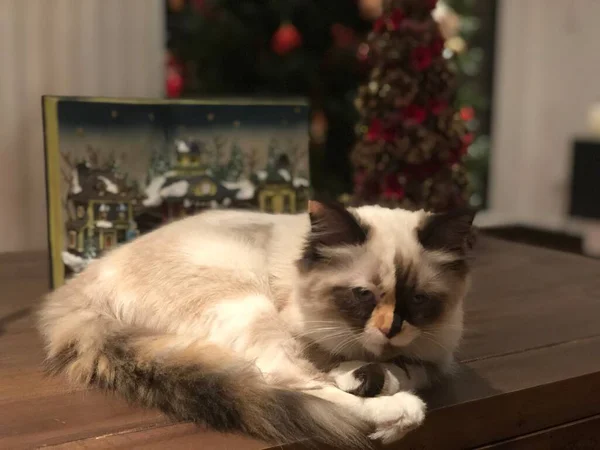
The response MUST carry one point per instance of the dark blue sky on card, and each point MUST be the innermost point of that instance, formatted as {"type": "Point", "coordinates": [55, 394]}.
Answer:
{"type": "Point", "coordinates": [113, 115]}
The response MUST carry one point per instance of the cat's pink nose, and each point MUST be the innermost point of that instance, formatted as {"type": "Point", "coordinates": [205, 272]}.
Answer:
{"type": "Point", "coordinates": [385, 330]}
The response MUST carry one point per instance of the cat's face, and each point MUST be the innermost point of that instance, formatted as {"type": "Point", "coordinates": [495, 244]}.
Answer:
{"type": "Point", "coordinates": [378, 280]}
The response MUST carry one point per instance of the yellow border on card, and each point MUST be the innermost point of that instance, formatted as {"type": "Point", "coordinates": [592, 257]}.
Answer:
{"type": "Point", "coordinates": [55, 219]}
{"type": "Point", "coordinates": [288, 101]}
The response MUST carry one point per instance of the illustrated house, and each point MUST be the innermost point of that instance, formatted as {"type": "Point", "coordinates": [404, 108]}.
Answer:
{"type": "Point", "coordinates": [277, 191]}
{"type": "Point", "coordinates": [101, 210]}
{"type": "Point", "coordinates": [191, 186]}
{"type": "Point", "coordinates": [184, 194]}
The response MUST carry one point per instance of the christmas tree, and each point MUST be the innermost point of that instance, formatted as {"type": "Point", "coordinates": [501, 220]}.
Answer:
{"type": "Point", "coordinates": [276, 49]}
{"type": "Point", "coordinates": [411, 141]}
{"type": "Point", "coordinates": [159, 163]}
{"type": "Point", "coordinates": [468, 27]}
{"type": "Point", "coordinates": [89, 250]}
{"type": "Point", "coordinates": [235, 166]}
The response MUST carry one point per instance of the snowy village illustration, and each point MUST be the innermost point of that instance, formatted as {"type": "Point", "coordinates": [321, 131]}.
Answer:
{"type": "Point", "coordinates": [119, 168]}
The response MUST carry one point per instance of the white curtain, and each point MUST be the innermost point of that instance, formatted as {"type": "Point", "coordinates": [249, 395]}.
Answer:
{"type": "Point", "coordinates": [546, 76]}
{"type": "Point", "coordinates": [63, 47]}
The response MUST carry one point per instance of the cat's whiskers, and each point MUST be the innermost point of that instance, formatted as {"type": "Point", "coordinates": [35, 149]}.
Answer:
{"type": "Point", "coordinates": [432, 338]}
{"type": "Point", "coordinates": [324, 338]}
{"type": "Point", "coordinates": [444, 327]}
{"type": "Point", "coordinates": [352, 339]}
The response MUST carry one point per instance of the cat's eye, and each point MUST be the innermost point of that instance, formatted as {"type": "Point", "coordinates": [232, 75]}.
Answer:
{"type": "Point", "coordinates": [420, 299]}
{"type": "Point", "coordinates": [364, 294]}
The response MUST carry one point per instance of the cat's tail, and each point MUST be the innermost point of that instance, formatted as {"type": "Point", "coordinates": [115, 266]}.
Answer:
{"type": "Point", "coordinates": [191, 381]}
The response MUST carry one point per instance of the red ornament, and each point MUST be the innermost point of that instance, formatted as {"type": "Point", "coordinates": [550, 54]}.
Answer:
{"type": "Point", "coordinates": [199, 5]}
{"type": "Point", "coordinates": [174, 83]}
{"type": "Point", "coordinates": [468, 139]}
{"type": "Point", "coordinates": [363, 52]}
{"type": "Point", "coordinates": [420, 58]}
{"type": "Point", "coordinates": [437, 46]}
{"type": "Point", "coordinates": [375, 130]}
{"type": "Point", "coordinates": [396, 18]}
{"type": "Point", "coordinates": [431, 4]}
{"type": "Point", "coordinates": [467, 113]}
{"type": "Point", "coordinates": [342, 36]}
{"type": "Point", "coordinates": [379, 25]}
{"type": "Point", "coordinates": [176, 5]}
{"type": "Point", "coordinates": [414, 113]}
{"type": "Point", "coordinates": [286, 39]}
{"type": "Point", "coordinates": [438, 106]}
{"type": "Point", "coordinates": [392, 189]}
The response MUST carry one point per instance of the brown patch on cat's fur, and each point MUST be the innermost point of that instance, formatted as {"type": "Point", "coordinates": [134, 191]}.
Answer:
{"type": "Point", "coordinates": [372, 380]}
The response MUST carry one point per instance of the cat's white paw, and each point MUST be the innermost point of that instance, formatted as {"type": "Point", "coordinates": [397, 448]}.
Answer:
{"type": "Point", "coordinates": [394, 416]}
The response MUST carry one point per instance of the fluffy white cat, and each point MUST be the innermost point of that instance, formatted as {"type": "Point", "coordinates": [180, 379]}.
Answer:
{"type": "Point", "coordinates": [287, 327]}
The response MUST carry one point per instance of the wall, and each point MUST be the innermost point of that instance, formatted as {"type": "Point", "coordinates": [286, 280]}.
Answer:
{"type": "Point", "coordinates": [547, 76]}
{"type": "Point", "coordinates": [63, 47]}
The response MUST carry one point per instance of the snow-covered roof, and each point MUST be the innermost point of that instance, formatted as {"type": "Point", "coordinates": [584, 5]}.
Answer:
{"type": "Point", "coordinates": [181, 147]}
{"type": "Point", "coordinates": [76, 263]}
{"type": "Point", "coordinates": [104, 224]}
{"type": "Point", "coordinates": [285, 174]}
{"type": "Point", "coordinates": [109, 185]}
{"type": "Point", "coordinates": [152, 191]}
{"type": "Point", "coordinates": [177, 189]}
{"type": "Point", "coordinates": [75, 186]}
{"type": "Point", "coordinates": [246, 189]}
{"type": "Point", "coordinates": [300, 182]}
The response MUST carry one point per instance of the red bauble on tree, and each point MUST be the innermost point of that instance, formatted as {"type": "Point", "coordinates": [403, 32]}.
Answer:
{"type": "Point", "coordinates": [174, 76]}
{"type": "Point", "coordinates": [392, 189]}
{"type": "Point", "coordinates": [421, 58]}
{"type": "Point", "coordinates": [431, 4]}
{"type": "Point", "coordinates": [467, 113]}
{"type": "Point", "coordinates": [286, 38]}
{"type": "Point", "coordinates": [174, 83]}
{"type": "Point", "coordinates": [343, 36]}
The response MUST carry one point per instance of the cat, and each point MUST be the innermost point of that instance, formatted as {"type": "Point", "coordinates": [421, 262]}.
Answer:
{"type": "Point", "coordinates": [315, 326]}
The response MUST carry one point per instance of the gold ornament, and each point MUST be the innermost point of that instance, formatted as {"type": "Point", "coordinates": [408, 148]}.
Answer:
{"type": "Point", "coordinates": [176, 5]}
{"type": "Point", "coordinates": [447, 19]}
{"type": "Point", "coordinates": [458, 45]}
{"type": "Point", "coordinates": [370, 9]}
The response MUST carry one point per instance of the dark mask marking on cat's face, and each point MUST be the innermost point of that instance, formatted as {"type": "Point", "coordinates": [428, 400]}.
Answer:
{"type": "Point", "coordinates": [354, 304]}
{"type": "Point", "coordinates": [414, 305]}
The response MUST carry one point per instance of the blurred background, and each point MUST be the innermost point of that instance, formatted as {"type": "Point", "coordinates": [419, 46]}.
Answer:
{"type": "Point", "coordinates": [523, 84]}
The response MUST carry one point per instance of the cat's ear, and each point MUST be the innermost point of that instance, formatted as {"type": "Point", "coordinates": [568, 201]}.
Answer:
{"type": "Point", "coordinates": [332, 225]}
{"type": "Point", "coordinates": [452, 231]}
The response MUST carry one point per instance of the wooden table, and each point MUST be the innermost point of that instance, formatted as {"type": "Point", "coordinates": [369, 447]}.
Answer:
{"type": "Point", "coordinates": [530, 371]}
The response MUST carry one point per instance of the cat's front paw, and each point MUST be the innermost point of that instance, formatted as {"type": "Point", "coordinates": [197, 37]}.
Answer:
{"type": "Point", "coordinates": [373, 379]}
{"type": "Point", "coordinates": [360, 378]}
{"type": "Point", "coordinates": [395, 415]}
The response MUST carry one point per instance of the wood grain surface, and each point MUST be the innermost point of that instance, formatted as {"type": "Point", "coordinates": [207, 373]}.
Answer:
{"type": "Point", "coordinates": [529, 375]}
